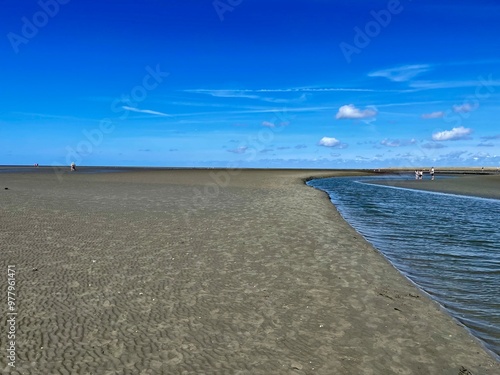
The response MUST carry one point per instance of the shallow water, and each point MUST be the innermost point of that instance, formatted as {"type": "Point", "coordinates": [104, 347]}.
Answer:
{"type": "Point", "coordinates": [448, 245]}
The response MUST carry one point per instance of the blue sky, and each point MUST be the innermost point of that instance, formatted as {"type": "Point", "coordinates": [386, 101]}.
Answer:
{"type": "Point", "coordinates": [250, 83]}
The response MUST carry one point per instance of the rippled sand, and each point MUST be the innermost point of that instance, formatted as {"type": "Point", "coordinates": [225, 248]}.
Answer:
{"type": "Point", "coordinates": [167, 272]}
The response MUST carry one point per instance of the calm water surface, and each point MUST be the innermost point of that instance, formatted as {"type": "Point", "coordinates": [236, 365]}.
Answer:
{"type": "Point", "coordinates": [448, 245]}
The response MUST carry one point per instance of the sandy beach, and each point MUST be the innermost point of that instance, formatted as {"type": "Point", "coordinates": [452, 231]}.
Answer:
{"type": "Point", "coordinates": [210, 272]}
{"type": "Point", "coordinates": [471, 185]}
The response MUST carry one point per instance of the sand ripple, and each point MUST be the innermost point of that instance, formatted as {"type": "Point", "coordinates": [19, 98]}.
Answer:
{"type": "Point", "coordinates": [127, 274]}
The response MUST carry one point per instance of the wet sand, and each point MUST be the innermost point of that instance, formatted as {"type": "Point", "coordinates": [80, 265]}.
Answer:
{"type": "Point", "coordinates": [206, 272]}
{"type": "Point", "coordinates": [472, 185]}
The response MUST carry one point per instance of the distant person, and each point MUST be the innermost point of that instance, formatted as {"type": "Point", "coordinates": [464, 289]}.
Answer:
{"type": "Point", "coordinates": [73, 167]}
{"type": "Point", "coordinates": [420, 175]}
{"type": "Point", "coordinates": [416, 174]}
{"type": "Point", "coordinates": [432, 173]}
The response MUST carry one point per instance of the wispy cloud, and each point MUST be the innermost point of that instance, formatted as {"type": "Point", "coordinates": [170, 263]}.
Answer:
{"type": "Point", "coordinates": [491, 137]}
{"type": "Point", "coordinates": [238, 150]}
{"type": "Point", "coordinates": [397, 142]}
{"type": "Point", "coordinates": [479, 156]}
{"type": "Point", "coordinates": [433, 145]}
{"type": "Point", "coordinates": [268, 124]}
{"type": "Point", "coordinates": [458, 108]}
{"type": "Point", "coordinates": [50, 116]}
{"type": "Point", "coordinates": [277, 96]}
{"type": "Point", "coordinates": [256, 110]}
{"type": "Point", "coordinates": [432, 85]}
{"type": "Point", "coordinates": [438, 114]}
{"type": "Point", "coordinates": [404, 104]}
{"type": "Point", "coordinates": [252, 94]}
{"type": "Point", "coordinates": [402, 73]}
{"type": "Point", "coordinates": [247, 93]}
{"type": "Point", "coordinates": [146, 111]}
{"type": "Point", "coordinates": [452, 135]}
{"type": "Point", "coordinates": [266, 150]}
{"type": "Point", "coordinates": [463, 108]}
{"type": "Point", "coordinates": [351, 112]}
{"type": "Point", "coordinates": [486, 144]}
{"type": "Point", "coordinates": [227, 93]}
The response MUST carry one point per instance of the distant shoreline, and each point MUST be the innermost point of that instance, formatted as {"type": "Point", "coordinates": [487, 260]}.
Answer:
{"type": "Point", "coordinates": [439, 170]}
{"type": "Point", "coordinates": [470, 185]}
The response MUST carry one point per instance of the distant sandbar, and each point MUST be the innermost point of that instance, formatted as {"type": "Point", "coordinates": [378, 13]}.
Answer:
{"type": "Point", "coordinates": [478, 186]}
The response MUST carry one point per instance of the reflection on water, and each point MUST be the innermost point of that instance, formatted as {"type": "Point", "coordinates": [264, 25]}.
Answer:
{"type": "Point", "coordinates": [446, 244]}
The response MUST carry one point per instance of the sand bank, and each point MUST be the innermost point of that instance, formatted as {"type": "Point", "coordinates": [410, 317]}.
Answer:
{"type": "Point", "coordinates": [206, 272]}
{"type": "Point", "coordinates": [479, 186]}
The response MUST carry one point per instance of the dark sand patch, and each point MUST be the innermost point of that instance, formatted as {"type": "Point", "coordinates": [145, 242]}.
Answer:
{"type": "Point", "coordinates": [164, 272]}
{"type": "Point", "coordinates": [479, 186]}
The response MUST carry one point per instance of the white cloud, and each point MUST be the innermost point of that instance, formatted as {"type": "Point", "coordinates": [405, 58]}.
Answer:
{"type": "Point", "coordinates": [439, 114]}
{"type": "Point", "coordinates": [147, 111]}
{"type": "Point", "coordinates": [463, 108]}
{"type": "Point", "coordinates": [331, 142]}
{"type": "Point", "coordinates": [268, 124]}
{"type": "Point", "coordinates": [452, 135]}
{"type": "Point", "coordinates": [351, 112]}
{"type": "Point", "coordinates": [401, 74]}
